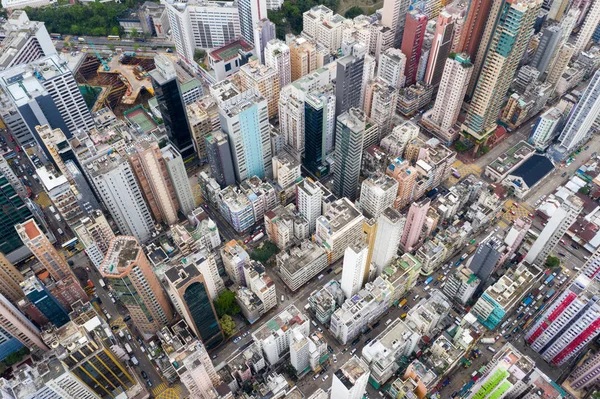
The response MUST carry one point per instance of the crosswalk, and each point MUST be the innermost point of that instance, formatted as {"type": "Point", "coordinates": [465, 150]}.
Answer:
{"type": "Point", "coordinates": [163, 391]}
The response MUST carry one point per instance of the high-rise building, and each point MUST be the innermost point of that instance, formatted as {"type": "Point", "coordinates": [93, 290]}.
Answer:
{"type": "Point", "coordinates": [62, 194]}
{"type": "Point", "coordinates": [10, 280]}
{"type": "Point", "coordinates": [450, 96]}
{"type": "Point", "coordinates": [569, 323]}
{"type": "Point", "coordinates": [219, 159]}
{"type": "Point", "coordinates": [45, 302]}
{"type": "Point", "coordinates": [264, 32]}
{"type": "Point", "coordinates": [556, 227]}
{"type": "Point", "coordinates": [151, 172]}
{"type": "Point", "coordinates": [129, 272]}
{"type": "Point", "coordinates": [319, 125]}
{"type": "Point", "coordinates": [393, 16]}
{"type": "Point", "coordinates": [171, 105]}
{"type": "Point", "coordinates": [546, 128]}
{"type": "Point", "coordinates": [348, 82]}
{"type": "Point", "coordinates": [234, 259]}
{"type": "Point", "coordinates": [308, 201]}
{"type": "Point", "coordinates": [391, 67]}
{"type": "Point", "coordinates": [475, 24]}
{"type": "Point", "coordinates": [14, 211]}
{"type": "Point", "coordinates": [387, 239]}
{"type": "Point", "coordinates": [95, 234]}
{"type": "Point", "coordinates": [578, 127]}
{"type": "Point", "coordinates": [415, 220]}
{"type": "Point", "coordinates": [485, 259]}
{"type": "Point", "coordinates": [189, 292]}
{"type": "Point", "coordinates": [41, 247]}
{"type": "Point", "coordinates": [303, 57]}
{"type": "Point", "coordinates": [220, 22]}
{"type": "Point", "coordinates": [587, 29]}
{"type": "Point", "coordinates": [14, 324]}
{"type": "Point", "coordinates": [277, 56]}
{"type": "Point", "coordinates": [265, 80]}
{"type": "Point", "coordinates": [245, 112]}
{"type": "Point", "coordinates": [510, 38]}
{"type": "Point", "coordinates": [380, 105]}
{"type": "Point", "coordinates": [250, 13]}
{"type": "Point", "coordinates": [440, 48]}
{"type": "Point", "coordinates": [461, 284]}
{"type": "Point", "coordinates": [587, 374]}
{"type": "Point", "coordinates": [549, 42]}
{"type": "Point", "coordinates": [412, 42]}
{"type": "Point", "coordinates": [376, 194]}
{"type": "Point", "coordinates": [200, 117]}
{"type": "Point", "coordinates": [116, 186]}
{"type": "Point", "coordinates": [179, 179]}
{"type": "Point", "coordinates": [561, 63]}
{"type": "Point", "coordinates": [349, 137]}
{"type": "Point", "coordinates": [355, 263]}
{"type": "Point", "coordinates": [350, 381]}
{"type": "Point", "coordinates": [291, 118]}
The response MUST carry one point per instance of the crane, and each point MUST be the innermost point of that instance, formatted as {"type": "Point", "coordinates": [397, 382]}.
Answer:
{"type": "Point", "coordinates": [104, 63]}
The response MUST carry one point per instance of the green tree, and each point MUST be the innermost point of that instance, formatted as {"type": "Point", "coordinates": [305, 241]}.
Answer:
{"type": "Point", "coordinates": [552, 261]}
{"type": "Point", "coordinates": [225, 304]}
{"type": "Point", "coordinates": [585, 190]}
{"type": "Point", "coordinates": [134, 32]}
{"type": "Point", "coordinates": [353, 12]}
{"type": "Point", "coordinates": [228, 325]}
{"type": "Point", "coordinates": [264, 252]}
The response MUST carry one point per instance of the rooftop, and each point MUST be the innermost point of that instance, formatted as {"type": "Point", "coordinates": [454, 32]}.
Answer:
{"type": "Point", "coordinates": [512, 156]}
{"type": "Point", "coordinates": [280, 323]}
{"type": "Point", "coordinates": [231, 50]}
{"type": "Point", "coordinates": [351, 371]}
{"type": "Point", "coordinates": [122, 251]}
{"type": "Point", "coordinates": [296, 258]}
{"type": "Point", "coordinates": [534, 169]}
{"type": "Point", "coordinates": [341, 213]}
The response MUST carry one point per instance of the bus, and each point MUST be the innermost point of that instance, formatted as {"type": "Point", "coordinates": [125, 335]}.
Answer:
{"type": "Point", "coordinates": [55, 36]}
{"type": "Point", "coordinates": [113, 37]}
{"type": "Point", "coordinates": [102, 283]}
{"type": "Point", "coordinates": [429, 280]}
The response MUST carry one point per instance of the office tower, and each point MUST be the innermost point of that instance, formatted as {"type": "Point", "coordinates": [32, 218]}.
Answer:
{"type": "Point", "coordinates": [348, 83]}
{"type": "Point", "coordinates": [11, 177]}
{"type": "Point", "coordinates": [24, 40]}
{"type": "Point", "coordinates": [219, 159]}
{"type": "Point", "coordinates": [578, 127]}
{"type": "Point", "coordinates": [461, 284]}
{"type": "Point", "coordinates": [277, 56]}
{"type": "Point", "coordinates": [440, 48]}
{"type": "Point", "coordinates": [415, 220]}
{"type": "Point", "coordinates": [380, 105]}
{"type": "Point", "coordinates": [391, 67]}
{"type": "Point", "coordinates": [171, 105]}
{"type": "Point", "coordinates": [14, 324]}
{"type": "Point", "coordinates": [387, 239]}
{"type": "Point", "coordinates": [587, 29]}
{"type": "Point", "coordinates": [115, 183]}
{"type": "Point", "coordinates": [45, 302]}
{"type": "Point", "coordinates": [546, 128]}
{"type": "Point", "coordinates": [568, 324]}
{"type": "Point", "coordinates": [245, 119]}
{"type": "Point", "coordinates": [586, 375]}
{"type": "Point", "coordinates": [264, 32]}
{"type": "Point", "coordinates": [189, 293]}
{"type": "Point", "coordinates": [449, 99]}
{"type": "Point", "coordinates": [194, 366]}
{"type": "Point", "coordinates": [84, 347]}
{"type": "Point", "coordinates": [412, 42]}
{"type": "Point", "coordinates": [561, 63]}
{"type": "Point", "coordinates": [349, 137]}
{"type": "Point", "coordinates": [308, 201]}
{"type": "Point", "coordinates": [220, 22]}
{"type": "Point", "coordinates": [150, 170]}
{"type": "Point", "coordinates": [550, 40]}
{"type": "Point", "coordinates": [95, 234]}
{"type": "Point", "coordinates": [251, 12]}
{"type": "Point", "coordinates": [376, 194]}
{"type": "Point", "coordinates": [509, 42]}
{"type": "Point", "coordinates": [45, 92]}
{"type": "Point", "coordinates": [393, 16]}
{"type": "Point", "coordinates": [129, 272]}
{"type": "Point", "coordinates": [14, 211]}
{"type": "Point", "coordinates": [179, 179]}
{"type": "Point", "coordinates": [485, 259]}
{"type": "Point", "coordinates": [350, 381]}
{"type": "Point", "coordinates": [474, 26]}
{"type": "Point", "coordinates": [265, 80]}
{"type": "Point", "coordinates": [41, 247]}
{"type": "Point", "coordinates": [353, 269]}
{"type": "Point", "coordinates": [319, 127]}
{"type": "Point", "coordinates": [10, 280]}
{"type": "Point", "coordinates": [303, 57]}
{"type": "Point", "coordinates": [556, 227]}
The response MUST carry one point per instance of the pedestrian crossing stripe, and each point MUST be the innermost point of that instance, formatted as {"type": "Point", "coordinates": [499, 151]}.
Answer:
{"type": "Point", "coordinates": [159, 388]}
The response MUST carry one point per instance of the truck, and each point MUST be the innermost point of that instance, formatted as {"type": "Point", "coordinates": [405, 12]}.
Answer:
{"type": "Point", "coordinates": [488, 340]}
{"type": "Point", "coordinates": [402, 303]}
{"type": "Point", "coordinates": [134, 361]}
{"type": "Point", "coordinates": [527, 301]}
{"type": "Point", "coordinates": [307, 306]}
{"type": "Point", "coordinates": [258, 237]}
{"type": "Point", "coordinates": [464, 256]}
{"type": "Point", "coordinates": [548, 279]}
{"type": "Point", "coordinates": [429, 280]}
{"type": "Point", "coordinates": [102, 283]}
{"type": "Point", "coordinates": [550, 293]}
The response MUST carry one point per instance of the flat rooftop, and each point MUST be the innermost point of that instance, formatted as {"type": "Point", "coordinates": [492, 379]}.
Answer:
{"type": "Point", "coordinates": [121, 252]}
{"type": "Point", "coordinates": [280, 323]}
{"type": "Point", "coordinates": [230, 50]}
{"type": "Point", "coordinates": [515, 154]}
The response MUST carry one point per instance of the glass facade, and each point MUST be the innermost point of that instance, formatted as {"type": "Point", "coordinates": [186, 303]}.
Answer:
{"type": "Point", "coordinates": [14, 211]}
{"type": "Point", "coordinates": [313, 138]}
{"type": "Point", "coordinates": [202, 313]}
{"type": "Point", "coordinates": [49, 306]}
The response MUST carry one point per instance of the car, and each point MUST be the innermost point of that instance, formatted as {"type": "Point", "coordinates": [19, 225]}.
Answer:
{"type": "Point", "coordinates": [330, 349]}
{"type": "Point", "coordinates": [149, 383]}
{"type": "Point", "coordinates": [368, 340]}
{"type": "Point", "coordinates": [515, 204]}
{"type": "Point", "coordinates": [574, 246]}
{"type": "Point", "coordinates": [561, 254]}
{"type": "Point", "coordinates": [316, 376]}
{"type": "Point", "coordinates": [507, 336]}
{"type": "Point", "coordinates": [353, 351]}
{"type": "Point", "coordinates": [562, 242]}
{"type": "Point", "coordinates": [143, 373]}
{"type": "Point", "coordinates": [512, 212]}
{"type": "Point", "coordinates": [247, 240]}
{"type": "Point", "coordinates": [324, 378]}
{"type": "Point", "coordinates": [564, 174]}
{"type": "Point", "coordinates": [531, 215]}
{"type": "Point", "coordinates": [405, 308]}
{"type": "Point", "coordinates": [334, 358]}
{"type": "Point", "coordinates": [329, 270]}
{"type": "Point", "coordinates": [436, 283]}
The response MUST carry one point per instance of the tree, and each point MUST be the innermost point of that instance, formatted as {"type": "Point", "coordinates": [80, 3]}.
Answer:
{"type": "Point", "coordinates": [228, 325]}
{"type": "Point", "coordinates": [353, 12]}
{"type": "Point", "coordinates": [134, 32]}
{"type": "Point", "coordinates": [199, 55]}
{"type": "Point", "coordinates": [552, 261]}
{"type": "Point", "coordinates": [264, 252]}
{"type": "Point", "coordinates": [225, 304]}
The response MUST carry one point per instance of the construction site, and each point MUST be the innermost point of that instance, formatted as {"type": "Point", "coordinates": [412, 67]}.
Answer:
{"type": "Point", "coordinates": [122, 77]}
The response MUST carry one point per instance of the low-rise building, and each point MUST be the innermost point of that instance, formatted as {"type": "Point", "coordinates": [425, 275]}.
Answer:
{"type": "Point", "coordinates": [402, 275]}
{"type": "Point", "coordinates": [323, 302]}
{"type": "Point", "coordinates": [428, 315]}
{"type": "Point", "coordinates": [297, 265]}
{"type": "Point", "coordinates": [509, 161]}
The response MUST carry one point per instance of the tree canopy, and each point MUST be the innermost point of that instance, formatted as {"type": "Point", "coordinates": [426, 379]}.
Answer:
{"type": "Point", "coordinates": [228, 325]}
{"type": "Point", "coordinates": [288, 19]}
{"type": "Point", "coordinates": [225, 304]}
{"type": "Point", "coordinates": [552, 261]}
{"type": "Point", "coordinates": [353, 12]}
